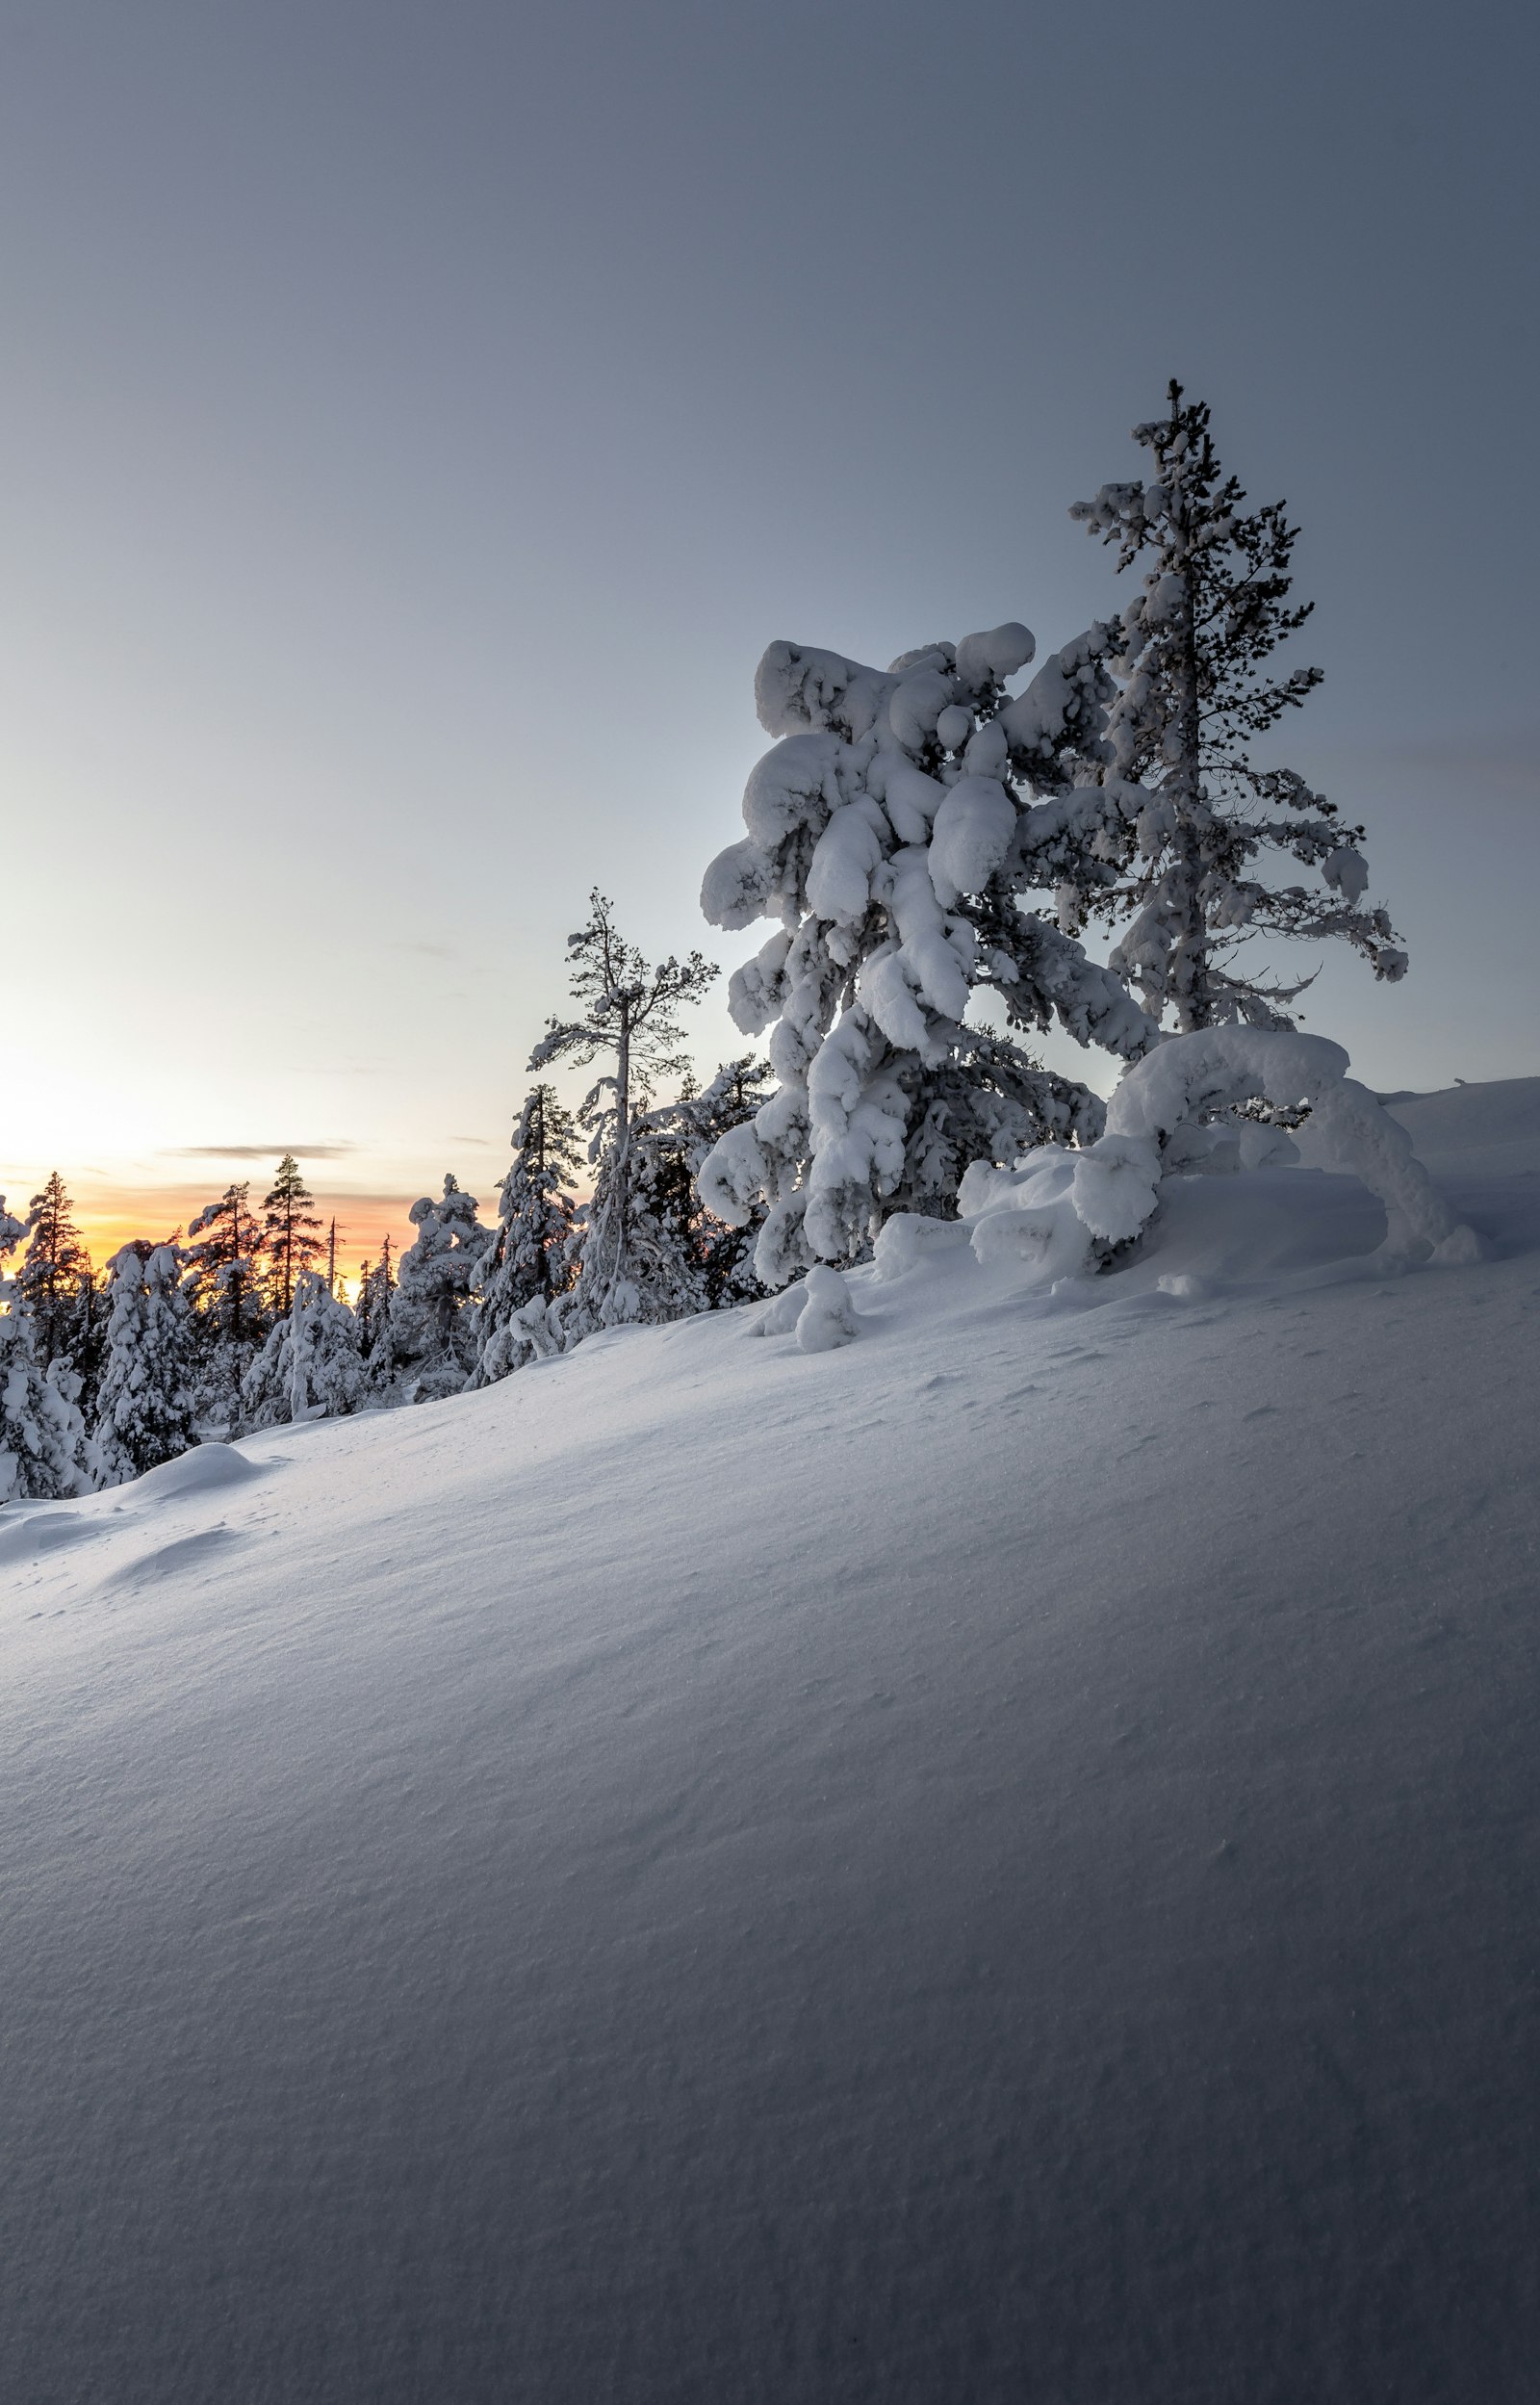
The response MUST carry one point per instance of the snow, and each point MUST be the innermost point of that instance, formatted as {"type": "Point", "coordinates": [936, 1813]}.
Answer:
{"type": "Point", "coordinates": [993, 1862]}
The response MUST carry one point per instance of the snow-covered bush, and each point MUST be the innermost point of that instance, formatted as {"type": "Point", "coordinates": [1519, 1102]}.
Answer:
{"type": "Point", "coordinates": [891, 832]}
{"type": "Point", "coordinates": [310, 1366]}
{"type": "Point", "coordinates": [1064, 1211]}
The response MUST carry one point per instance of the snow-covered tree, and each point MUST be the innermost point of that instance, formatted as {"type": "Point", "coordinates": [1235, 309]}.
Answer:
{"type": "Point", "coordinates": [310, 1366]}
{"type": "Point", "coordinates": [527, 1262]}
{"type": "Point", "coordinates": [291, 1234]}
{"type": "Point", "coordinates": [54, 1282]}
{"type": "Point", "coordinates": [891, 831]}
{"type": "Point", "coordinates": [630, 1016]}
{"type": "Point", "coordinates": [376, 1292]}
{"type": "Point", "coordinates": [146, 1402]}
{"type": "Point", "coordinates": [222, 1283]}
{"type": "Point", "coordinates": [221, 1265]}
{"type": "Point", "coordinates": [707, 1261]}
{"type": "Point", "coordinates": [45, 1452]}
{"type": "Point", "coordinates": [432, 1332]}
{"type": "Point", "coordinates": [1194, 690]}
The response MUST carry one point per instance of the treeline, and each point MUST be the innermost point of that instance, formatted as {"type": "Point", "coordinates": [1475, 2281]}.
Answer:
{"type": "Point", "coordinates": [235, 1327]}
{"type": "Point", "coordinates": [928, 846]}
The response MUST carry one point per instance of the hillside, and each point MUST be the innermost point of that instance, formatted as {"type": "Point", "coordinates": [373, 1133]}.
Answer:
{"type": "Point", "coordinates": [996, 1863]}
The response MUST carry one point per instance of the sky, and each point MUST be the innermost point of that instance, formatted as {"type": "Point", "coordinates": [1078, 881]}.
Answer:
{"type": "Point", "coordinates": [419, 419]}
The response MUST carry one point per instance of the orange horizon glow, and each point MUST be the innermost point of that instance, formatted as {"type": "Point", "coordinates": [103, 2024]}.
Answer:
{"type": "Point", "coordinates": [110, 1216]}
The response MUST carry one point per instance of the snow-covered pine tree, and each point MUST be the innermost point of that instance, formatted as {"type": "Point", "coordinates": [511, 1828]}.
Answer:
{"type": "Point", "coordinates": [291, 1234]}
{"type": "Point", "coordinates": [891, 831]}
{"type": "Point", "coordinates": [431, 1330]}
{"type": "Point", "coordinates": [526, 1265]}
{"type": "Point", "coordinates": [630, 1016]}
{"type": "Point", "coordinates": [55, 1276]}
{"type": "Point", "coordinates": [45, 1453]}
{"type": "Point", "coordinates": [1194, 692]}
{"type": "Point", "coordinates": [709, 1261]}
{"type": "Point", "coordinates": [147, 1402]}
{"type": "Point", "coordinates": [223, 1286]}
{"type": "Point", "coordinates": [330, 1378]}
{"type": "Point", "coordinates": [310, 1366]}
{"type": "Point", "coordinates": [377, 1291]}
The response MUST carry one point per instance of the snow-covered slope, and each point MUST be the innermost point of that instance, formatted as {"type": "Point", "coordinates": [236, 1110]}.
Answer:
{"type": "Point", "coordinates": [998, 1863]}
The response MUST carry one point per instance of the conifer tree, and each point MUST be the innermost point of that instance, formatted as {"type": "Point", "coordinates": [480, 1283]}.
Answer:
{"type": "Point", "coordinates": [310, 1366]}
{"type": "Point", "coordinates": [432, 1331]}
{"type": "Point", "coordinates": [709, 1262]}
{"type": "Point", "coordinates": [377, 1289]}
{"type": "Point", "coordinates": [291, 1234]}
{"type": "Point", "coordinates": [84, 1339]}
{"type": "Point", "coordinates": [629, 1017]}
{"type": "Point", "coordinates": [526, 1265]}
{"type": "Point", "coordinates": [147, 1402]}
{"type": "Point", "coordinates": [55, 1273]}
{"type": "Point", "coordinates": [1194, 692]}
{"type": "Point", "coordinates": [45, 1453]}
{"type": "Point", "coordinates": [223, 1289]}
{"type": "Point", "coordinates": [221, 1265]}
{"type": "Point", "coordinates": [893, 831]}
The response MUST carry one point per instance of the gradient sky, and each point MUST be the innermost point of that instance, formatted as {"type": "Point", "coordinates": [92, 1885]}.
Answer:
{"type": "Point", "coordinates": [419, 417]}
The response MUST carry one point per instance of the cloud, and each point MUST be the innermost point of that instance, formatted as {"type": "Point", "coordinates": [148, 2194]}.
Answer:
{"type": "Point", "coordinates": [429, 951]}
{"type": "Point", "coordinates": [255, 1152]}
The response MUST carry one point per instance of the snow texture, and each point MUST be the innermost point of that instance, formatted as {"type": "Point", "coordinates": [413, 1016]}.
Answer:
{"type": "Point", "coordinates": [993, 1863]}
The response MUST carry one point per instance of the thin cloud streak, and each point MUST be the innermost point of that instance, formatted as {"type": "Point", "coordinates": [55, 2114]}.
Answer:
{"type": "Point", "coordinates": [255, 1152]}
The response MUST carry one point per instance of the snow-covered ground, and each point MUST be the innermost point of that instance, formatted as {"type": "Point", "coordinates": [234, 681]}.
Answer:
{"type": "Point", "coordinates": [1001, 1862]}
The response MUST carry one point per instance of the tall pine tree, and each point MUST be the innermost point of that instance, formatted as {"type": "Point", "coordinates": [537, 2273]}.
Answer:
{"type": "Point", "coordinates": [629, 1018]}
{"type": "Point", "coordinates": [526, 1265]}
{"type": "Point", "coordinates": [291, 1234]}
{"type": "Point", "coordinates": [1196, 690]}
{"type": "Point", "coordinates": [55, 1278]}
{"type": "Point", "coordinates": [224, 1289]}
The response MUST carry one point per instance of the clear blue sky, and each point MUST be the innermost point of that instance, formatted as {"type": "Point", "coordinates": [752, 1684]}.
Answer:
{"type": "Point", "coordinates": [418, 419]}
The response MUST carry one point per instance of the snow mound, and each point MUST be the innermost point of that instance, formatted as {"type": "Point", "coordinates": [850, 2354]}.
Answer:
{"type": "Point", "coordinates": [1055, 1204]}
{"type": "Point", "coordinates": [993, 1861]}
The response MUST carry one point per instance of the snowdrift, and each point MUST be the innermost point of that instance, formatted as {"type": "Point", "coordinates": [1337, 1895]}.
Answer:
{"type": "Point", "coordinates": [995, 1860]}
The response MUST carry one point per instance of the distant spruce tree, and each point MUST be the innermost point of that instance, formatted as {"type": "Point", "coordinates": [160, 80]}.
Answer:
{"type": "Point", "coordinates": [223, 1287]}
{"type": "Point", "coordinates": [629, 1018]}
{"type": "Point", "coordinates": [431, 1330]}
{"type": "Point", "coordinates": [221, 1266]}
{"type": "Point", "coordinates": [310, 1366]}
{"type": "Point", "coordinates": [526, 1265]}
{"type": "Point", "coordinates": [45, 1453]}
{"type": "Point", "coordinates": [55, 1281]}
{"type": "Point", "coordinates": [291, 1234]}
{"type": "Point", "coordinates": [705, 1263]}
{"type": "Point", "coordinates": [376, 1345]}
{"type": "Point", "coordinates": [1194, 694]}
